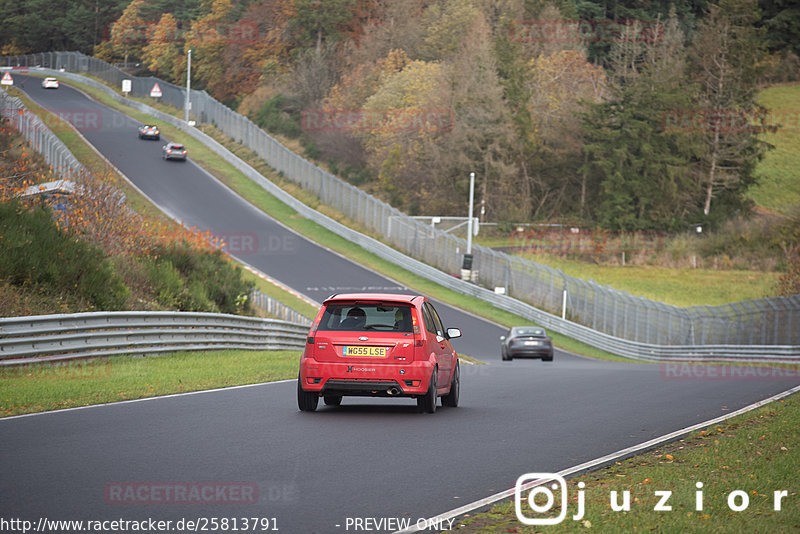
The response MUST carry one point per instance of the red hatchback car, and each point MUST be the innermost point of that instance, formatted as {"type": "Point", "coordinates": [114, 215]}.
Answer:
{"type": "Point", "coordinates": [378, 345]}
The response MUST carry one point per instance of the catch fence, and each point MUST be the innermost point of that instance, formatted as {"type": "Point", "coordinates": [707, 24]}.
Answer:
{"type": "Point", "coordinates": [762, 322]}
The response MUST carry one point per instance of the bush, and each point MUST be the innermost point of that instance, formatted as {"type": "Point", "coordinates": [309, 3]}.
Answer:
{"type": "Point", "coordinates": [36, 254]}
{"type": "Point", "coordinates": [789, 282]}
{"type": "Point", "coordinates": [280, 115]}
{"type": "Point", "coordinates": [208, 281]}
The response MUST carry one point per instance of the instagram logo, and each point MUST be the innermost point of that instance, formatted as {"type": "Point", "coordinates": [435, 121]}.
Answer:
{"type": "Point", "coordinates": [543, 490]}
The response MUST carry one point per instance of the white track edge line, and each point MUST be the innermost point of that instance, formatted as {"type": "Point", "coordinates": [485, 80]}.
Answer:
{"type": "Point", "coordinates": [452, 514]}
{"type": "Point", "coordinates": [143, 399]}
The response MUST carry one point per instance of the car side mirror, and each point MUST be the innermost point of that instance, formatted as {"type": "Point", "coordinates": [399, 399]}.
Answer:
{"type": "Point", "coordinates": [502, 338]}
{"type": "Point", "coordinates": [453, 333]}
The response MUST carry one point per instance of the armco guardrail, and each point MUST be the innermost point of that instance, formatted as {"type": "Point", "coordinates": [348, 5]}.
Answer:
{"type": "Point", "coordinates": [774, 321]}
{"type": "Point", "coordinates": [278, 309]}
{"type": "Point", "coordinates": [44, 141]}
{"type": "Point", "coordinates": [49, 338]}
{"type": "Point", "coordinates": [777, 319]}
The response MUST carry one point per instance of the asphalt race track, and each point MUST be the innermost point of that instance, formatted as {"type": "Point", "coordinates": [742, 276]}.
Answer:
{"type": "Point", "coordinates": [249, 453]}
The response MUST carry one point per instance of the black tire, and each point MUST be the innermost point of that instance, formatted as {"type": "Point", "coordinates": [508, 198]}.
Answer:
{"type": "Point", "coordinates": [306, 400]}
{"type": "Point", "coordinates": [504, 354]}
{"type": "Point", "coordinates": [451, 399]}
{"type": "Point", "coordinates": [332, 400]}
{"type": "Point", "coordinates": [549, 358]}
{"type": "Point", "coordinates": [427, 402]}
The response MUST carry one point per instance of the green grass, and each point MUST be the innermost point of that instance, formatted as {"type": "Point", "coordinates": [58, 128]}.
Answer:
{"type": "Point", "coordinates": [756, 453]}
{"type": "Point", "coordinates": [778, 189]}
{"type": "Point", "coordinates": [678, 287]}
{"type": "Point", "coordinates": [43, 387]}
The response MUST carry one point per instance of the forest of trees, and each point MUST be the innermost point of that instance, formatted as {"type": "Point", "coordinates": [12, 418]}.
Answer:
{"type": "Point", "coordinates": [625, 115]}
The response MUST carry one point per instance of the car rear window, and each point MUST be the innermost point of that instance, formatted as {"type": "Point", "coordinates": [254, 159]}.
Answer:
{"type": "Point", "coordinates": [529, 332]}
{"type": "Point", "coordinates": [367, 317]}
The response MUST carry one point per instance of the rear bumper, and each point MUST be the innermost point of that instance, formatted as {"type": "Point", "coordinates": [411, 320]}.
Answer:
{"type": "Point", "coordinates": [366, 379]}
{"type": "Point", "coordinates": [530, 353]}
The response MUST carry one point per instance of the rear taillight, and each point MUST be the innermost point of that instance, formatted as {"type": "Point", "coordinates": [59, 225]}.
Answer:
{"type": "Point", "coordinates": [313, 329]}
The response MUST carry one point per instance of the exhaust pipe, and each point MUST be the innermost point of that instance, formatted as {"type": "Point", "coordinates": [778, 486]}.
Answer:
{"type": "Point", "coordinates": [393, 391]}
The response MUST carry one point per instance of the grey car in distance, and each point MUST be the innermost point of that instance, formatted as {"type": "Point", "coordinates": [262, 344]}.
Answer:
{"type": "Point", "coordinates": [526, 342]}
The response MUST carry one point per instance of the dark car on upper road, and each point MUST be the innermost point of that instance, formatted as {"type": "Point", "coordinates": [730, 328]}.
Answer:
{"type": "Point", "coordinates": [526, 342]}
{"type": "Point", "coordinates": [148, 131]}
{"type": "Point", "coordinates": [174, 151]}
{"type": "Point", "coordinates": [379, 345]}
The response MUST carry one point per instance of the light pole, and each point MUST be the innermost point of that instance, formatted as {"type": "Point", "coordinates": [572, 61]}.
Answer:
{"type": "Point", "coordinates": [466, 266]}
{"type": "Point", "coordinates": [188, 103]}
{"type": "Point", "coordinates": [471, 202]}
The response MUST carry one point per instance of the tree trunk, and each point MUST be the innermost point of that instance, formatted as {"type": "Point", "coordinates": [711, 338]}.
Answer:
{"type": "Point", "coordinates": [583, 184]}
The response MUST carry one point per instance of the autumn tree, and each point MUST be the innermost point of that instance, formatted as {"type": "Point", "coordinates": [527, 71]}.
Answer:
{"type": "Point", "coordinates": [726, 57]}
{"type": "Point", "coordinates": [163, 51]}
{"type": "Point", "coordinates": [399, 131]}
{"type": "Point", "coordinates": [561, 83]}
{"type": "Point", "coordinates": [349, 95]}
{"type": "Point", "coordinates": [317, 21]}
{"type": "Point", "coordinates": [130, 33]}
{"type": "Point", "coordinates": [207, 38]}
{"type": "Point", "coordinates": [445, 24]}
{"type": "Point", "coordinates": [395, 26]}
{"type": "Point", "coordinates": [481, 137]}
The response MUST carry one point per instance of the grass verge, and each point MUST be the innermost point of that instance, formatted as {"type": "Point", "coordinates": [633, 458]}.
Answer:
{"type": "Point", "coordinates": [755, 453]}
{"type": "Point", "coordinates": [43, 387]}
{"type": "Point", "coordinates": [778, 189]}
{"type": "Point", "coordinates": [677, 287]}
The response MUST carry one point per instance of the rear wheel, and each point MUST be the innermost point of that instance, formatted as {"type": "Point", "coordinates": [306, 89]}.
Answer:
{"type": "Point", "coordinates": [427, 403]}
{"type": "Point", "coordinates": [332, 400]}
{"type": "Point", "coordinates": [451, 399]}
{"type": "Point", "coordinates": [306, 400]}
